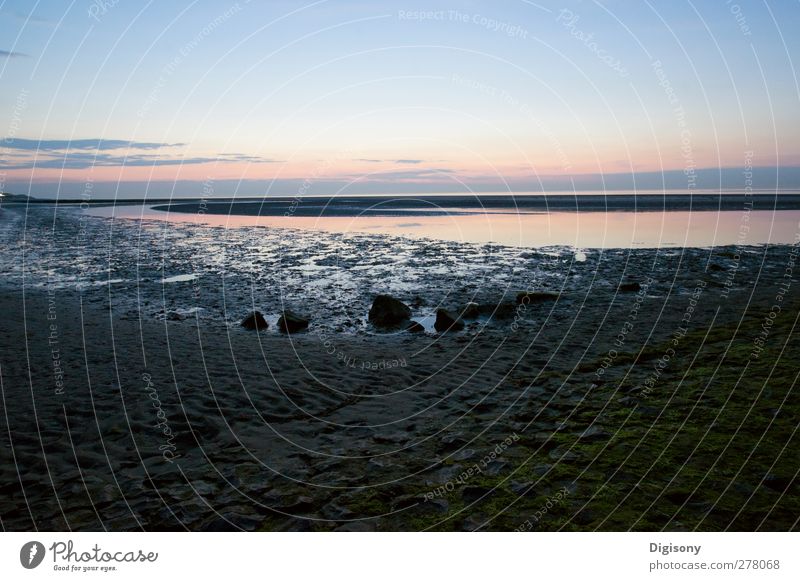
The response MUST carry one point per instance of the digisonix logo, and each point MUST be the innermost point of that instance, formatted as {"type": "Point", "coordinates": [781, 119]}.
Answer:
{"type": "Point", "coordinates": [31, 554]}
{"type": "Point", "coordinates": [67, 558]}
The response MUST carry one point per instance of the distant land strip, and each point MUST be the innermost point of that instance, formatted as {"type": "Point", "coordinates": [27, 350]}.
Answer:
{"type": "Point", "coordinates": [438, 205]}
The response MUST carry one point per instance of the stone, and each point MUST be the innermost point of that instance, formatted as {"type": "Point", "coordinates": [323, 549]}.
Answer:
{"type": "Point", "coordinates": [498, 311]}
{"type": "Point", "coordinates": [415, 327]}
{"type": "Point", "coordinates": [291, 322]}
{"type": "Point", "coordinates": [630, 287]}
{"type": "Point", "coordinates": [447, 321]}
{"type": "Point", "coordinates": [472, 494]}
{"type": "Point", "coordinates": [387, 311]}
{"type": "Point", "coordinates": [593, 434]}
{"type": "Point", "coordinates": [524, 298]}
{"type": "Point", "coordinates": [470, 311]}
{"type": "Point", "coordinates": [255, 321]}
{"type": "Point", "coordinates": [521, 488]}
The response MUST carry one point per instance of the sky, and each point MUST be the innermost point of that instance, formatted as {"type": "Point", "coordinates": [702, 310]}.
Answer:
{"type": "Point", "coordinates": [114, 98]}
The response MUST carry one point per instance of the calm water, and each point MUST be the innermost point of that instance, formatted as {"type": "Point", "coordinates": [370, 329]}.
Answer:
{"type": "Point", "coordinates": [581, 230]}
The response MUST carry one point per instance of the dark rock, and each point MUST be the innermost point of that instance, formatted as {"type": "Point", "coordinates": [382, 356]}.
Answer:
{"type": "Point", "coordinates": [593, 434]}
{"type": "Point", "coordinates": [415, 327]}
{"type": "Point", "coordinates": [498, 311]}
{"type": "Point", "coordinates": [464, 454]}
{"type": "Point", "coordinates": [254, 321]}
{"type": "Point", "coordinates": [472, 493]}
{"type": "Point", "coordinates": [298, 504]}
{"type": "Point", "coordinates": [778, 483]}
{"type": "Point", "coordinates": [542, 441]}
{"type": "Point", "coordinates": [357, 526]}
{"type": "Point", "coordinates": [713, 267]}
{"type": "Point", "coordinates": [495, 467]}
{"type": "Point", "coordinates": [470, 311]}
{"type": "Point", "coordinates": [453, 442]}
{"type": "Point", "coordinates": [292, 322]}
{"type": "Point", "coordinates": [630, 287]}
{"type": "Point", "coordinates": [521, 488]}
{"type": "Point", "coordinates": [447, 321]}
{"type": "Point", "coordinates": [563, 455]}
{"type": "Point", "coordinates": [525, 298]}
{"type": "Point", "coordinates": [678, 496]}
{"type": "Point", "coordinates": [387, 311]}
{"type": "Point", "coordinates": [473, 523]}
{"type": "Point", "coordinates": [406, 501]}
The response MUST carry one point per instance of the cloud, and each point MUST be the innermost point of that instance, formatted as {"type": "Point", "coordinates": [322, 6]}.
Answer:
{"type": "Point", "coordinates": [11, 54]}
{"type": "Point", "coordinates": [87, 160]}
{"type": "Point", "coordinates": [88, 153]}
{"type": "Point", "coordinates": [82, 144]}
{"type": "Point", "coordinates": [420, 174]}
{"type": "Point", "coordinates": [407, 161]}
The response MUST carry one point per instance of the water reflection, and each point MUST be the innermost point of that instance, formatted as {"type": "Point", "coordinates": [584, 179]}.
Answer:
{"type": "Point", "coordinates": [580, 230]}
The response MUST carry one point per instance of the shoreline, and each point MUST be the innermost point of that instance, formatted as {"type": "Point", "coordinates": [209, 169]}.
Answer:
{"type": "Point", "coordinates": [450, 204]}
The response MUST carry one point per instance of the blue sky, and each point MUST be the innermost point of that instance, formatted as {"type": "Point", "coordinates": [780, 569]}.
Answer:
{"type": "Point", "coordinates": [393, 96]}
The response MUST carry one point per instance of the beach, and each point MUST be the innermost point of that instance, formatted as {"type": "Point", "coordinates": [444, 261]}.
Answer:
{"type": "Point", "coordinates": [633, 389]}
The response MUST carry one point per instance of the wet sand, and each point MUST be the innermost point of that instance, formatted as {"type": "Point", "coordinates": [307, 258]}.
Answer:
{"type": "Point", "coordinates": [144, 405]}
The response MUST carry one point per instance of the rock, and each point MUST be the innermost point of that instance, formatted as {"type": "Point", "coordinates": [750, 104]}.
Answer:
{"type": "Point", "coordinates": [453, 442]}
{"type": "Point", "coordinates": [472, 494]}
{"type": "Point", "coordinates": [524, 298]}
{"type": "Point", "coordinates": [291, 322]}
{"type": "Point", "coordinates": [357, 526]}
{"type": "Point", "coordinates": [778, 483]}
{"type": "Point", "coordinates": [594, 434]}
{"type": "Point", "coordinates": [521, 488]}
{"type": "Point", "coordinates": [630, 287]}
{"type": "Point", "coordinates": [495, 467]}
{"type": "Point", "coordinates": [464, 454]}
{"type": "Point", "coordinates": [470, 311]}
{"type": "Point", "coordinates": [415, 327]}
{"type": "Point", "coordinates": [387, 311]}
{"type": "Point", "coordinates": [499, 311]}
{"type": "Point", "coordinates": [447, 321]}
{"type": "Point", "coordinates": [563, 455]}
{"type": "Point", "coordinates": [254, 321]}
